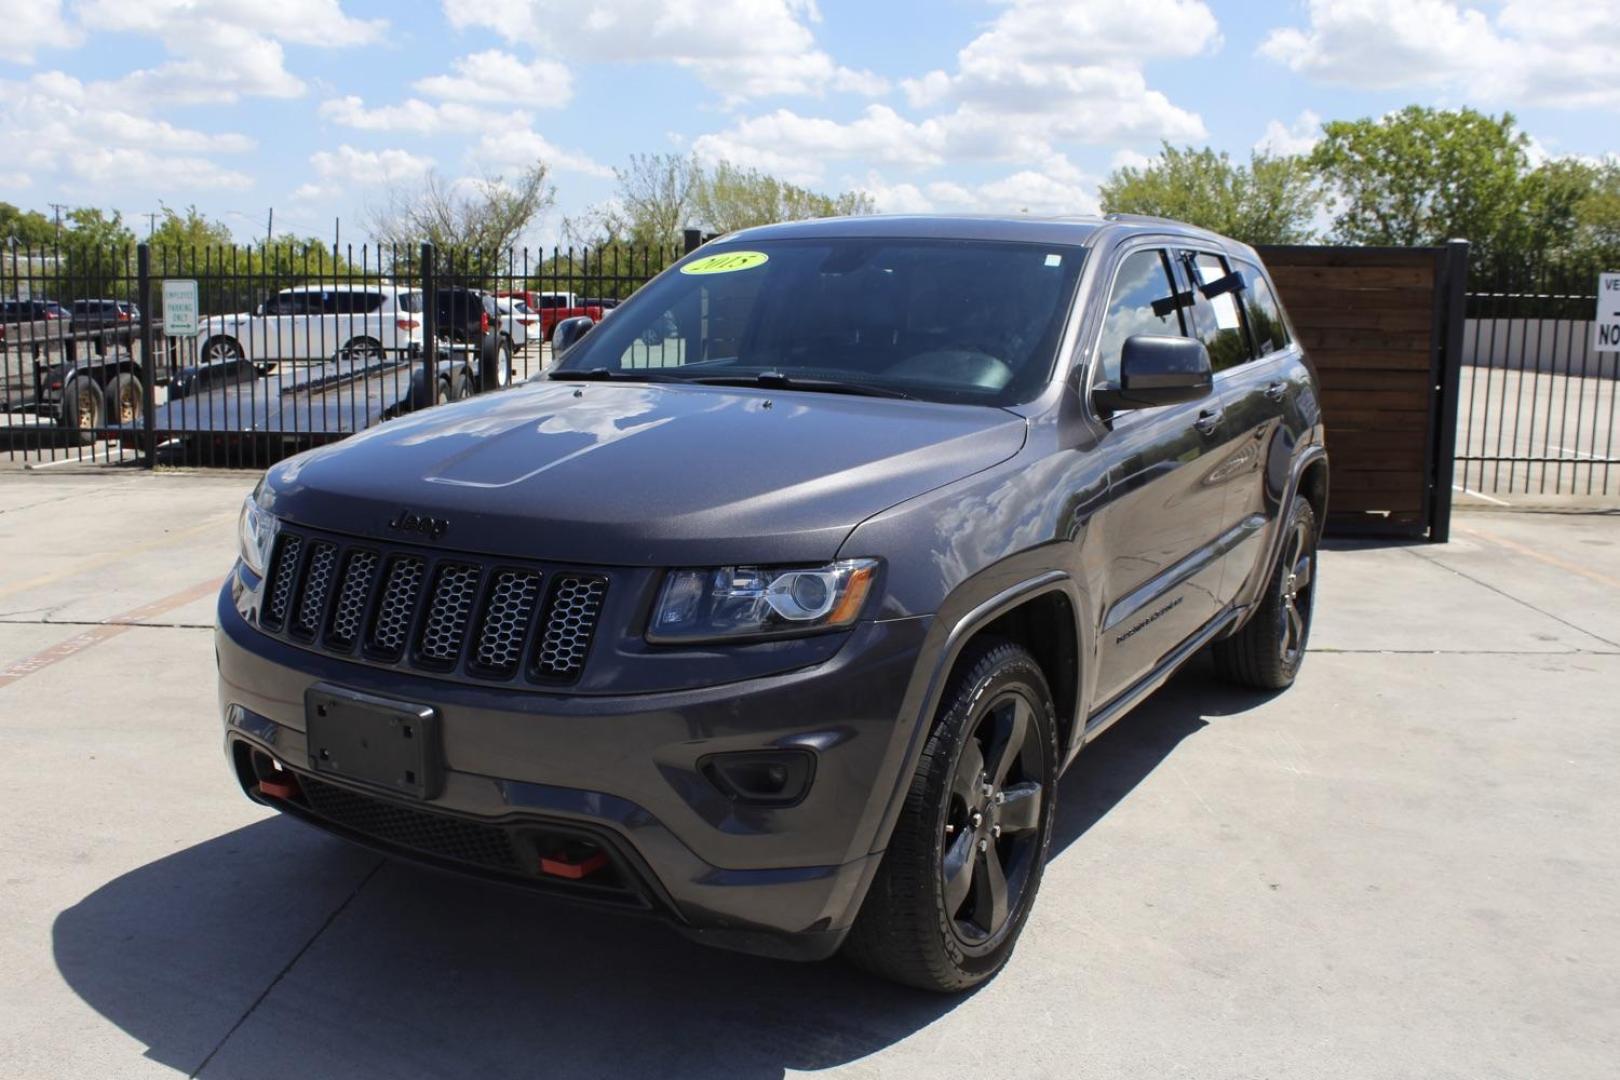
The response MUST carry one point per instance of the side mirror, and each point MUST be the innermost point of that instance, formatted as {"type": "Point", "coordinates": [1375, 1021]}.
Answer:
{"type": "Point", "coordinates": [567, 332]}
{"type": "Point", "coordinates": [1158, 370]}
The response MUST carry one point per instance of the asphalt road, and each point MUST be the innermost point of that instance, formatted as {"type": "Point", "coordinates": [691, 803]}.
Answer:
{"type": "Point", "coordinates": [1406, 866]}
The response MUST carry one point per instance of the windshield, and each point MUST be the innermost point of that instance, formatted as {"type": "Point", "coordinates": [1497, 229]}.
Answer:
{"type": "Point", "coordinates": [971, 321]}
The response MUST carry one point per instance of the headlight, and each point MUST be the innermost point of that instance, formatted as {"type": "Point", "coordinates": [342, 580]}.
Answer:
{"type": "Point", "coordinates": [255, 533]}
{"type": "Point", "coordinates": [756, 601]}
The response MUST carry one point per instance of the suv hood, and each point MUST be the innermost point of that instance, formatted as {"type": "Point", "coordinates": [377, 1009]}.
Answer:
{"type": "Point", "coordinates": [642, 474]}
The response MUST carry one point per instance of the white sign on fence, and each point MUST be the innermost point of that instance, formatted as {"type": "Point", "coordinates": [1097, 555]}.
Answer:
{"type": "Point", "coordinates": [1606, 330]}
{"type": "Point", "coordinates": [179, 308]}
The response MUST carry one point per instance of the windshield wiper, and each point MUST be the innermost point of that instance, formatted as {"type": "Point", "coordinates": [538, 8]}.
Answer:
{"type": "Point", "coordinates": [776, 380]}
{"type": "Point", "coordinates": [602, 374]}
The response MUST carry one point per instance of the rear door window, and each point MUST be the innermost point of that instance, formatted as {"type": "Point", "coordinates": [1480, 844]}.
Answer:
{"type": "Point", "coordinates": [1217, 320]}
{"type": "Point", "coordinates": [1142, 301]}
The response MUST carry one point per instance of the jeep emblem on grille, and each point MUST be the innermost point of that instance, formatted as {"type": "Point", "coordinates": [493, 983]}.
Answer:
{"type": "Point", "coordinates": [431, 527]}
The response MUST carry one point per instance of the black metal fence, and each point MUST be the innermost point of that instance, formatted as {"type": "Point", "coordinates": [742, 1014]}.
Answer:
{"type": "Point", "coordinates": [273, 349]}
{"type": "Point", "coordinates": [1537, 407]}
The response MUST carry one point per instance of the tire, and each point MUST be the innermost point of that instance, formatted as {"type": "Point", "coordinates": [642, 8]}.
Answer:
{"type": "Point", "coordinates": [496, 368]}
{"type": "Point", "coordinates": [361, 349]}
{"type": "Point", "coordinates": [124, 400]}
{"type": "Point", "coordinates": [221, 348]}
{"type": "Point", "coordinates": [461, 387]}
{"type": "Point", "coordinates": [1267, 652]}
{"type": "Point", "coordinates": [443, 394]}
{"type": "Point", "coordinates": [83, 409]}
{"type": "Point", "coordinates": [926, 923]}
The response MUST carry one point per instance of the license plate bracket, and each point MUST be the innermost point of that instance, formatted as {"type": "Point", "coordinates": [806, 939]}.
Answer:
{"type": "Point", "coordinates": [394, 745]}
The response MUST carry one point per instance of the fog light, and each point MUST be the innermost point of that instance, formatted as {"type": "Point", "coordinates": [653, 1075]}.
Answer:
{"type": "Point", "coordinates": [761, 777]}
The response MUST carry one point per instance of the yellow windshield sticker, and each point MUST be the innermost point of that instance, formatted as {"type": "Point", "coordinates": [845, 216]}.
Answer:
{"type": "Point", "coordinates": [726, 263]}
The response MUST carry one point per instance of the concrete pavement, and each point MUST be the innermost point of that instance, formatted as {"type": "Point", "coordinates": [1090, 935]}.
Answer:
{"type": "Point", "coordinates": [1405, 866]}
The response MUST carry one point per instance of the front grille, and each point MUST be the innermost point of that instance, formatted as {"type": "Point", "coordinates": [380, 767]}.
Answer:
{"type": "Point", "coordinates": [439, 615]}
{"type": "Point", "coordinates": [488, 846]}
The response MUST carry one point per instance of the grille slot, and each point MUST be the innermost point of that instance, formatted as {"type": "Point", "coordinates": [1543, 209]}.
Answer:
{"type": "Point", "coordinates": [349, 613]}
{"type": "Point", "coordinates": [488, 846]}
{"type": "Point", "coordinates": [575, 603]}
{"type": "Point", "coordinates": [317, 585]}
{"type": "Point", "coordinates": [283, 574]}
{"type": "Point", "coordinates": [454, 596]}
{"type": "Point", "coordinates": [397, 606]}
{"type": "Point", "coordinates": [513, 597]}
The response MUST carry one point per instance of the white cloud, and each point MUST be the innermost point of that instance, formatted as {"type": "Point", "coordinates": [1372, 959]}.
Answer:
{"type": "Point", "coordinates": [741, 48]}
{"type": "Point", "coordinates": [1054, 189]}
{"type": "Point", "coordinates": [1044, 74]}
{"type": "Point", "coordinates": [225, 49]}
{"type": "Point", "coordinates": [345, 168]}
{"type": "Point", "coordinates": [522, 148]}
{"type": "Point", "coordinates": [32, 25]}
{"type": "Point", "coordinates": [88, 135]}
{"type": "Point", "coordinates": [416, 116]}
{"type": "Point", "coordinates": [1297, 138]}
{"type": "Point", "coordinates": [1518, 52]}
{"type": "Point", "coordinates": [496, 76]}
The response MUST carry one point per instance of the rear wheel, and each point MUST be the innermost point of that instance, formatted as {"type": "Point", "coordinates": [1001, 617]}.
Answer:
{"type": "Point", "coordinates": [82, 409]}
{"type": "Point", "coordinates": [124, 399]}
{"type": "Point", "coordinates": [220, 349]}
{"type": "Point", "coordinates": [965, 861]}
{"type": "Point", "coordinates": [461, 387]}
{"type": "Point", "coordinates": [1267, 652]}
{"type": "Point", "coordinates": [365, 350]}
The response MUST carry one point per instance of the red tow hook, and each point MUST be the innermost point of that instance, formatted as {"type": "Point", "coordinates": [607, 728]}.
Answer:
{"type": "Point", "coordinates": [566, 864]}
{"type": "Point", "coordinates": [284, 786]}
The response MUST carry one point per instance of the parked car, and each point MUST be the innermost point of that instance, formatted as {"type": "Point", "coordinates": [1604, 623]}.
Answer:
{"type": "Point", "coordinates": [554, 307]}
{"type": "Point", "coordinates": [318, 322]}
{"type": "Point", "coordinates": [104, 314]}
{"type": "Point", "coordinates": [471, 318]}
{"type": "Point", "coordinates": [784, 625]}
{"type": "Point", "coordinates": [21, 311]}
{"type": "Point", "coordinates": [518, 322]}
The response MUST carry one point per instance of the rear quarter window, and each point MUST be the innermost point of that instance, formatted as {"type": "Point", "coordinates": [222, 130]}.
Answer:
{"type": "Point", "coordinates": [1266, 321]}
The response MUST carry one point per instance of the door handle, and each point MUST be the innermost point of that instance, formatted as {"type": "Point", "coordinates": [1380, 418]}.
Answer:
{"type": "Point", "coordinates": [1276, 391]}
{"type": "Point", "coordinates": [1208, 420]}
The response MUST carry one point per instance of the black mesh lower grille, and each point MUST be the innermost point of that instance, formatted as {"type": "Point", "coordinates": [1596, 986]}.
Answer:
{"type": "Point", "coordinates": [488, 846]}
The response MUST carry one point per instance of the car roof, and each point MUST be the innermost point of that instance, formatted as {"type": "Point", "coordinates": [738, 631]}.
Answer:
{"type": "Point", "coordinates": [347, 287]}
{"type": "Point", "coordinates": [1076, 229]}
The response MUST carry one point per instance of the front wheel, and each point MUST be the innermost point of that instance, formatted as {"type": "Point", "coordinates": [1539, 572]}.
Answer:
{"type": "Point", "coordinates": [1267, 652]}
{"type": "Point", "coordinates": [219, 350]}
{"type": "Point", "coordinates": [965, 860]}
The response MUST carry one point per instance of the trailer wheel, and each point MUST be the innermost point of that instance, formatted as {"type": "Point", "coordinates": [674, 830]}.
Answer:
{"type": "Point", "coordinates": [124, 399]}
{"type": "Point", "coordinates": [461, 388]}
{"type": "Point", "coordinates": [82, 409]}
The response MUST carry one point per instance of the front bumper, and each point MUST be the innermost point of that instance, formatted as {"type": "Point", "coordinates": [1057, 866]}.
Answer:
{"type": "Point", "coordinates": [782, 881]}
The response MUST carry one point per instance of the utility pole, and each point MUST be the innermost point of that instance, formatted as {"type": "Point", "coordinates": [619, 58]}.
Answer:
{"type": "Point", "coordinates": [58, 208]}
{"type": "Point", "coordinates": [270, 228]}
{"type": "Point", "coordinates": [151, 223]}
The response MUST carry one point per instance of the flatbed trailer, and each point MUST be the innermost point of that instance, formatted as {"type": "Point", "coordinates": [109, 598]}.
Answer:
{"type": "Point", "coordinates": [256, 418]}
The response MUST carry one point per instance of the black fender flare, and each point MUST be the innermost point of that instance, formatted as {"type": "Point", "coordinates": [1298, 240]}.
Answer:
{"type": "Point", "coordinates": [928, 685]}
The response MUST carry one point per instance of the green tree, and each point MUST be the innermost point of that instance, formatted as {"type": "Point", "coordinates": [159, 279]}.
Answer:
{"type": "Point", "coordinates": [1423, 176]}
{"type": "Point", "coordinates": [1270, 200]}
{"type": "Point", "coordinates": [474, 225]}
{"type": "Point", "coordinates": [98, 255]}
{"type": "Point", "coordinates": [27, 228]}
{"type": "Point", "coordinates": [1597, 218]}
{"type": "Point", "coordinates": [729, 198]}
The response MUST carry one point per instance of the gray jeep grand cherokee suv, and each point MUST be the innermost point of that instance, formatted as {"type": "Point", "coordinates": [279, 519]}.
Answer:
{"type": "Point", "coordinates": [780, 606]}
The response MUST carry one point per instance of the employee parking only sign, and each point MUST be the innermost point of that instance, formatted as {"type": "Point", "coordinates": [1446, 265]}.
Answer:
{"type": "Point", "coordinates": [179, 308]}
{"type": "Point", "coordinates": [1606, 330]}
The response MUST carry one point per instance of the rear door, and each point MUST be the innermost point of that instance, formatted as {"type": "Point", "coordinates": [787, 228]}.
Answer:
{"type": "Point", "coordinates": [1246, 388]}
{"type": "Point", "coordinates": [1159, 528]}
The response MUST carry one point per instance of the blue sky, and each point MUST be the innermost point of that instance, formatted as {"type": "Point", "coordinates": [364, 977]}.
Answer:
{"type": "Point", "coordinates": [317, 107]}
